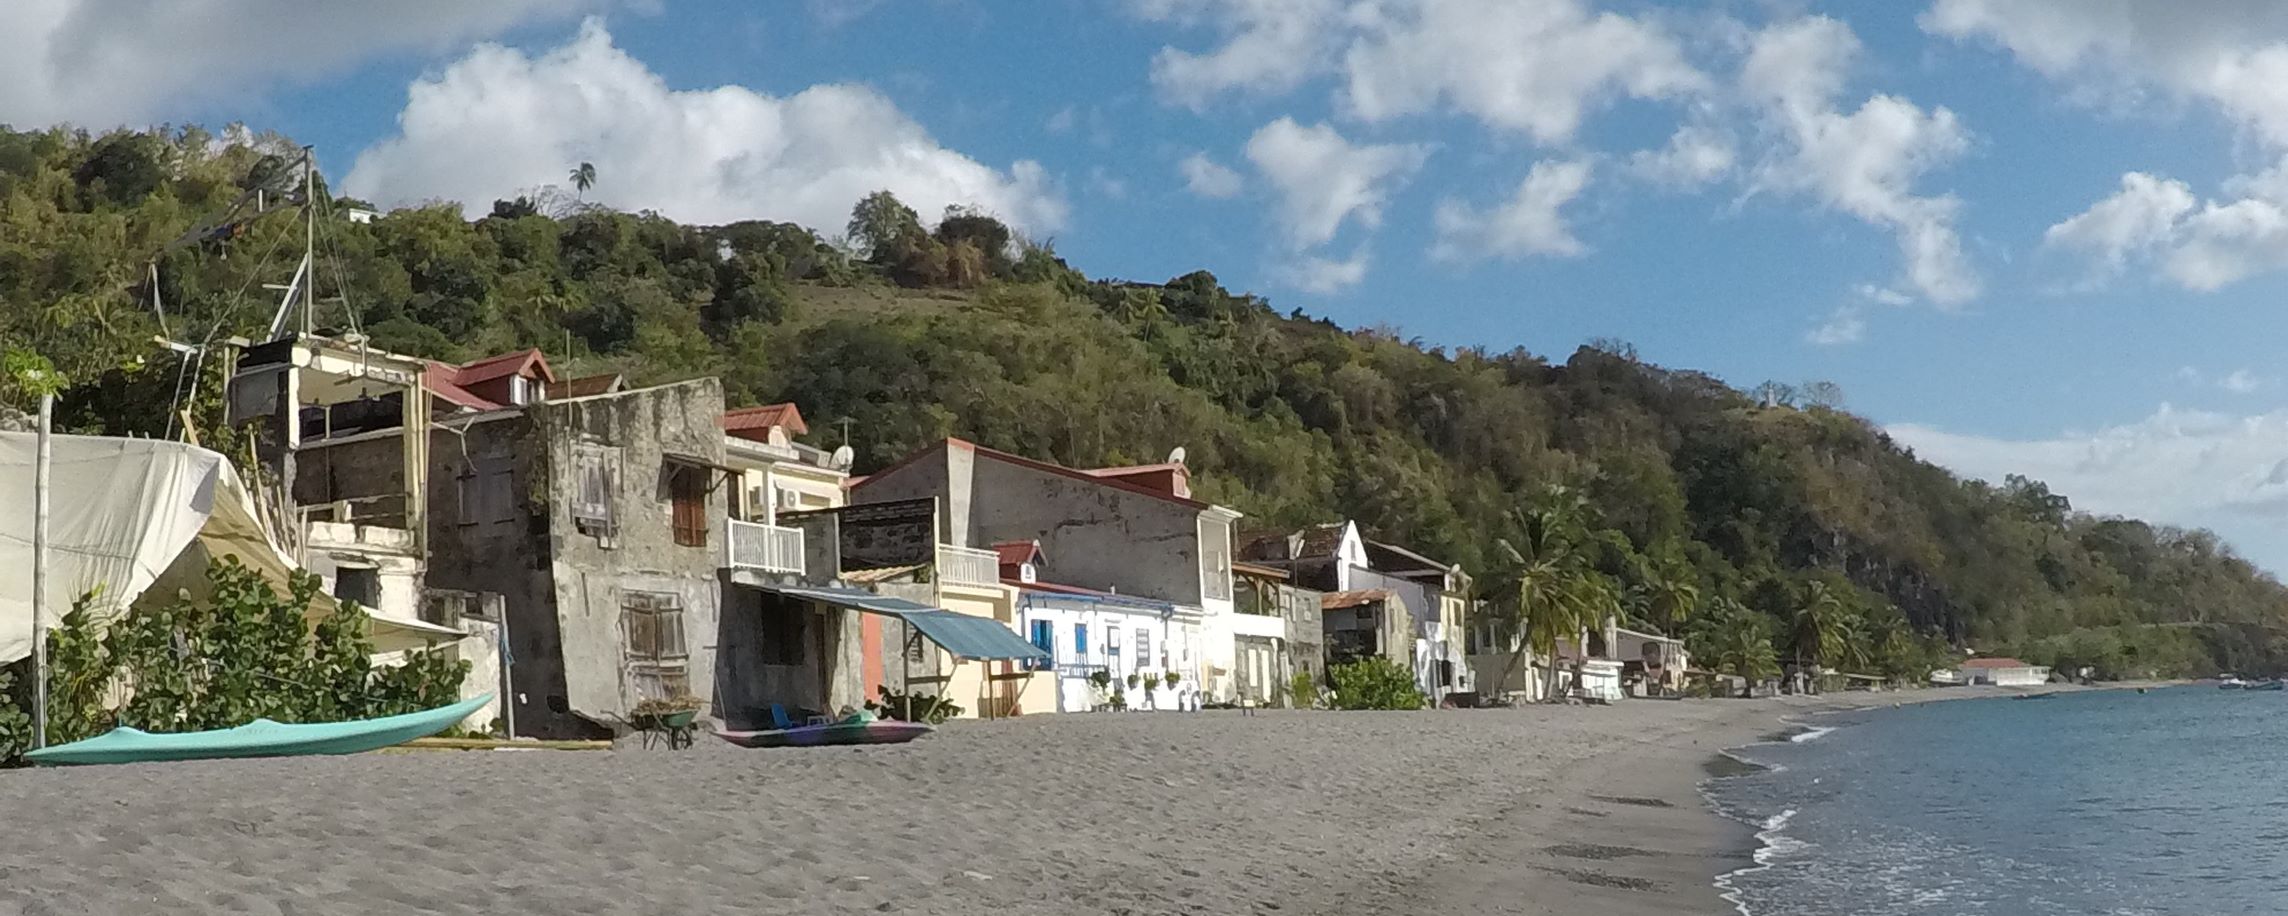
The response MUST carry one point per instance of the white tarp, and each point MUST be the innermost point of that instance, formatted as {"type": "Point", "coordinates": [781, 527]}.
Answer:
{"type": "Point", "coordinates": [126, 514]}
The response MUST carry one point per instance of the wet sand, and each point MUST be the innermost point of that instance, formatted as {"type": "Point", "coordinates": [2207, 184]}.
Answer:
{"type": "Point", "coordinates": [1535, 810]}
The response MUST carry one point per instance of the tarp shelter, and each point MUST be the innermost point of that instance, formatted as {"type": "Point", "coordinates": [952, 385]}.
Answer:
{"type": "Point", "coordinates": [961, 635]}
{"type": "Point", "coordinates": [965, 637]}
{"type": "Point", "coordinates": [142, 519]}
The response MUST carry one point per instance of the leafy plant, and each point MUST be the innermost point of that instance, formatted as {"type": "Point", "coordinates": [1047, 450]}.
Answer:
{"type": "Point", "coordinates": [1375, 683]}
{"type": "Point", "coordinates": [913, 707]}
{"type": "Point", "coordinates": [1100, 679]}
{"type": "Point", "coordinates": [1171, 679]}
{"type": "Point", "coordinates": [668, 706]}
{"type": "Point", "coordinates": [1302, 691]}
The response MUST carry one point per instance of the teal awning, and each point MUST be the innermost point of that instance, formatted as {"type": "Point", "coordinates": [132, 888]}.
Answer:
{"type": "Point", "coordinates": [961, 635]}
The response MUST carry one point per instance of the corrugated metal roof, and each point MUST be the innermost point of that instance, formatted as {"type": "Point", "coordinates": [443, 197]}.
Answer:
{"type": "Point", "coordinates": [1335, 601]}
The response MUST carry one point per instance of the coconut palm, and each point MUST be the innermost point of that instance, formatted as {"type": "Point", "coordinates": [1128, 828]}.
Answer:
{"type": "Point", "coordinates": [583, 178]}
{"type": "Point", "coordinates": [1817, 624]}
{"type": "Point", "coordinates": [1559, 594]}
{"type": "Point", "coordinates": [1670, 595]}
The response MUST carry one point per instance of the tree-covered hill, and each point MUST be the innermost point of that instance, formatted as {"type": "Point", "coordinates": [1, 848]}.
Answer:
{"type": "Point", "coordinates": [1767, 526]}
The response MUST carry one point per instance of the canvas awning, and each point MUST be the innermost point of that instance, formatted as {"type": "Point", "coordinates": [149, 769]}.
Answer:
{"type": "Point", "coordinates": [140, 517]}
{"type": "Point", "coordinates": [961, 635]}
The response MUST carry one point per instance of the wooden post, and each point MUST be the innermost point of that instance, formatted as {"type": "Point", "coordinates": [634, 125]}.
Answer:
{"type": "Point", "coordinates": [40, 575]}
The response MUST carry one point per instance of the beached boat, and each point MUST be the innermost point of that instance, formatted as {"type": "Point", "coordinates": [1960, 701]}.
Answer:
{"type": "Point", "coordinates": [2232, 682]}
{"type": "Point", "coordinates": [2266, 684]}
{"type": "Point", "coordinates": [259, 738]}
{"type": "Point", "coordinates": [879, 731]}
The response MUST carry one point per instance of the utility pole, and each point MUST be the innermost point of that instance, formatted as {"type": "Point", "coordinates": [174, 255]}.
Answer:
{"type": "Point", "coordinates": [40, 575]}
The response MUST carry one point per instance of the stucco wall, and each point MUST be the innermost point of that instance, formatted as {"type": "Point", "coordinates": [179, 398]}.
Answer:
{"type": "Point", "coordinates": [1096, 536]}
{"type": "Point", "coordinates": [592, 576]}
{"type": "Point", "coordinates": [508, 558]}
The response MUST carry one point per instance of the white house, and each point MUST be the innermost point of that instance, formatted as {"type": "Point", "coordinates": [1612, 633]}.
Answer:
{"type": "Point", "coordinates": [2002, 672]}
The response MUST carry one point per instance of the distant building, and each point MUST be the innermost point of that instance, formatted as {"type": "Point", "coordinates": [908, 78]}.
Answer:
{"type": "Point", "coordinates": [1433, 598]}
{"type": "Point", "coordinates": [2001, 672]}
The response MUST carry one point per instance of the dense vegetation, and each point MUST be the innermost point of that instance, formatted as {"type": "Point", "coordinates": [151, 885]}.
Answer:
{"type": "Point", "coordinates": [1770, 526]}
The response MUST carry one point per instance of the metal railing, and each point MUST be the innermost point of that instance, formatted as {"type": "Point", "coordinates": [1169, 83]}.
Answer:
{"type": "Point", "coordinates": [769, 548]}
{"type": "Point", "coordinates": [968, 565]}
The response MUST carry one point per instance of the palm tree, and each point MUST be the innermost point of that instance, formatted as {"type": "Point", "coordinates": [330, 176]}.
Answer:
{"type": "Point", "coordinates": [583, 178]}
{"type": "Point", "coordinates": [1736, 640]}
{"type": "Point", "coordinates": [1816, 622]}
{"type": "Point", "coordinates": [1558, 594]}
{"type": "Point", "coordinates": [1670, 595]}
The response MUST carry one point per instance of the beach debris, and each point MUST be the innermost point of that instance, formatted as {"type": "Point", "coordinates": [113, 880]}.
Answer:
{"type": "Point", "coordinates": [1596, 851]}
{"type": "Point", "coordinates": [977, 876]}
{"type": "Point", "coordinates": [1638, 801]}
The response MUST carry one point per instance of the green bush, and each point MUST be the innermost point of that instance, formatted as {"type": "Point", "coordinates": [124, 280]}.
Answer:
{"type": "Point", "coordinates": [244, 653]}
{"type": "Point", "coordinates": [1375, 683]}
{"type": "Point", "coordinates": [929, 710]}
{"type": "Point", "coordinates": [1302, 691]}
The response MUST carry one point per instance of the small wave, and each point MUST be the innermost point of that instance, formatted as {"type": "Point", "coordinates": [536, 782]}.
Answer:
{"type": "Point", "coordinates": [1811, 733]}
{"type": "Point", "coordinates": [1772, 843]}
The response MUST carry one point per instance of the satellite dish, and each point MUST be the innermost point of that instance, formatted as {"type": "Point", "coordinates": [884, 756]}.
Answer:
{"type": "Point", "coordinates": [843, 458]}
{"type": "Point", "coordinates": [1176, 456]}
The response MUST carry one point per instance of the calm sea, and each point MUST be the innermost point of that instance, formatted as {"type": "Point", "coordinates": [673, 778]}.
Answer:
{"type": "Point", "coordinates": [2107, 802]}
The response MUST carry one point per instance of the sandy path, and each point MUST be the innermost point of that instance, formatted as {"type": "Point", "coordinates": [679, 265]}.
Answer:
{"type": "Point", "coordinates": [1143, 813]}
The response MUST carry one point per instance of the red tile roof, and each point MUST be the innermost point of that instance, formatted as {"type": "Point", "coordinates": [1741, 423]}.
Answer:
{"type": "Point", "coordinates": [759, 420]}
{"type": "Point", "coordinates": [587, 385]}
{"type": "Point", "coordinates": [1996, 663]}
{"type": "Point", "coordinates": [1335, 601]}
{"type": "Point", "coordinates": [492, 367]}
{"type": "Point", "coordinates": [451, 383]}
{"type": "Point", "coordinates": [1015, 552]}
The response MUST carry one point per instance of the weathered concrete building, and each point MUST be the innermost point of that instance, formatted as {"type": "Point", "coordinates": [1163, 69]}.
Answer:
{"type": "Point", "coordinates": [1268, 664]}
{"type": "Point", "coordinates": [600, 522]}
{"type": "Point", "coordinates": [1129, 531]}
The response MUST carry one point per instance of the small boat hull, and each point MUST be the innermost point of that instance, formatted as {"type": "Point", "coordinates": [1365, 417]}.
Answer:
{"type": "Point", "coordinates": [259, 738]}
{"type": "Point", "coordinates": [843, 733]}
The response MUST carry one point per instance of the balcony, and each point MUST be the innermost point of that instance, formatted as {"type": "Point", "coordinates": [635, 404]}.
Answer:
{"type": "Point", "coordinates": [768, 548]}
{"type": "Point", "coordinates": [968, 565]}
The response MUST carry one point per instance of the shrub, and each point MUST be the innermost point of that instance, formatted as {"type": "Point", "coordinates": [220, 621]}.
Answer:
{"type": "Point", "coordinates": [1302, 691]}
{"type": "Point", "coordinates": [1375, 683]}
{"type": "Point", "coordinates": [929, 710]}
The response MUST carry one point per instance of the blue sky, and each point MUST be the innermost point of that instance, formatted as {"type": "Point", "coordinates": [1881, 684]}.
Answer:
{"type": "Point", "coordinates": [2040, 235]}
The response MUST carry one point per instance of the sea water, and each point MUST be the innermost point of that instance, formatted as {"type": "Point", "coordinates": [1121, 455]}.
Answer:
{"type": "Point", "coordinates": [2170, 802]}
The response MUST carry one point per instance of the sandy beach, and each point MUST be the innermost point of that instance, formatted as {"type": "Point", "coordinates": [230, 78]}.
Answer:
{"type": "Point", "coordinates": [1536, 810]}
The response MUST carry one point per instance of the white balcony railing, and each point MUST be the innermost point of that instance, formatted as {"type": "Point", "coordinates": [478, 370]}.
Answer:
{"type": "Point", "coordinates": [769, 548]}
{"type": "Point", "coordinates": [968, 565]}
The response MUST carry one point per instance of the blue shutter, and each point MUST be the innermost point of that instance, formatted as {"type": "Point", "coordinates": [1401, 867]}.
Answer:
{"type": "Point", "coordinates": [1080, 642]}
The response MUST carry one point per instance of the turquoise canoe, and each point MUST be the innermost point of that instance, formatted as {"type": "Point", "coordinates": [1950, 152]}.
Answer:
{"type": "Point", "coordinates": [259, 738]}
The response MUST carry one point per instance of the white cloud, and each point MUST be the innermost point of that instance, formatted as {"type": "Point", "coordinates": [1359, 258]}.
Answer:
{"type": "Point", "coordinates": [1206, 178]}
{"type": "Point", "coordinates": [1270, 46]}
{"type": "Point", "coordinates": [2182, 467]}
{"type": "Point", "coordinates": [1324, 180]}
{"type": "Point", "coordinates": [1527, 67]}
{"type": "Point", "coordinates": [1529, 223]}
{"type": "Point", "coordinates": [1845, 326]}
{"type": "Point", "coordinates": [1695, 155]}
{"type": "Point", "coordinates": [2241, 381]}
{"type": "Point", "coordinates": [1324, 276]}
{"type": "Point", "coordinates": [1061, 122]}
{"type": "Point", "coordinates": [1531, 67]}
{"type": "Point", "coordinates": [1862, 162]}
{"type": "Point", "coordinates": [499, 121]}
{"type": "Point", "coordinates": [101, 64]}
{"type": "Point", "coordinates": [2229, 54]}
{"type": "Point", "coordinates": [2144, 213]}
{"type": "Point", "coordinates": [1883, 295]}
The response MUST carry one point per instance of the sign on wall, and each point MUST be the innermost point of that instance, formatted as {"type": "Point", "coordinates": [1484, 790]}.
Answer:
{"type": "Point", "coordinates": [882, 535]}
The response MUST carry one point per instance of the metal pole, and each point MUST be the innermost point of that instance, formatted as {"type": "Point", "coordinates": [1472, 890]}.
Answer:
{"type": "Point", "coordinates": [507, 677]}
{"type": "Point", "coordinates": [40, 576]}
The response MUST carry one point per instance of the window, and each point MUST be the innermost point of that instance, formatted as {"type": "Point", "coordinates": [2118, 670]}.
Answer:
{"type": "Point", "coordinates": [688, 489]}
{"type": "Point", "coordinates": [596, 478]}
{"type": "Point", "coordinates": [1143, 646]}
{"type": "Point", "coordinates": [358, 584]}
{"type": "Point", "coordinates": [1080, 642]}
{"type": "Point", "coordinates": [1112, 645]}
{"type": "Point", "coordinates": [1215, 560]}
{"type": "Point", "coordinates": [484, 488]}
{"type": "Point", "coordinates": [654, 626]}
{"type": "Point", "coordinates": [651, 634]}
{"type": "Point", "coordinates": [519, 390]}
{"type": "Point", "coordinates": [1045, 639]}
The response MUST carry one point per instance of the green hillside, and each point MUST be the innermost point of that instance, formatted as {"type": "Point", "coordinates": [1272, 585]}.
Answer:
{"type": "Point", "coordinates": [1767, 527]}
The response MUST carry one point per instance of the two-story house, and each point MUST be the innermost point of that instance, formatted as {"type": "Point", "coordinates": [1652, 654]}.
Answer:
{"type": "Point", "coordinates": [1129, 531]}
{"type": "Point", "coordinates": [1373, 585]}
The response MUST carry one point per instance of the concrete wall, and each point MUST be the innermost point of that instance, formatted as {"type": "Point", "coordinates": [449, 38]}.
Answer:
{"type": "Point", "coordinates": [1306, 633]}
{"type": "Point", "coordinates": [827, 680]}
{"type": "Point", "coordinates": [922, 478]}
{"type": "Point", "coordinates": [1096, 536]}
{"type": "Point", "coordinates": [508, 558]}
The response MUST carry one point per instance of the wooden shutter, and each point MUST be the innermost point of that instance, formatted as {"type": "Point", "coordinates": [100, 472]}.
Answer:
{"type": "Point", "coordinates": [690, 492]}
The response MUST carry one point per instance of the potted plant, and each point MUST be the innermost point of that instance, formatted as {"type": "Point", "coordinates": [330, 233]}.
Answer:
{"type": "Point", "coordinates": [1172, 678]}
{"type": "Point", "coordinates": [1151, 682]}
{"type": "Point", "coordinates": [1100, 679]}
{"type": "Point", "coordinates": [1134, 681]}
